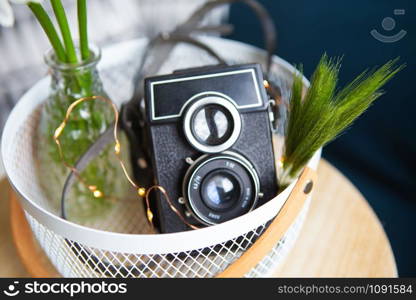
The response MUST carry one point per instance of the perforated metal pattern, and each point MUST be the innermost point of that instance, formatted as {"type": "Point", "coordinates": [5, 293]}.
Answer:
{"type": "Point", "coordinates": [74, 260]}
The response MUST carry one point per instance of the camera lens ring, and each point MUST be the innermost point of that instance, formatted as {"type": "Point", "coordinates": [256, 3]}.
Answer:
{"type": "Point", "coordinates": [219, 183]}
{"type": "Point", "coordinates": [205, 165]}
{"type": "Point", "coordinates": [199, 104]}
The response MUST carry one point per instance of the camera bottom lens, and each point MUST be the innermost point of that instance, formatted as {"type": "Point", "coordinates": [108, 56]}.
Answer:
{"type": "Point", "coordinates": [218, 188]}
{"type": "Point", "coordinates": [221, 190]}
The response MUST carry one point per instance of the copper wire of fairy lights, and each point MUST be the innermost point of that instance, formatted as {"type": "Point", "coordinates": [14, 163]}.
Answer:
{"type": "Point", "coordinates": [141, 191]}
{"type": "Point", "coordinates": [275, 101]}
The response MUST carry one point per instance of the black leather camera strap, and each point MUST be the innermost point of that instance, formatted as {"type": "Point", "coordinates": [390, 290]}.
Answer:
{"type": "Point", "coordinates": [269, 31]}
{"type": "Point", "coordinates": [156, 53]}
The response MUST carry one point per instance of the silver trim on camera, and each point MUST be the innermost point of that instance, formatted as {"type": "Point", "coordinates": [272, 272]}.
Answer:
{"type": "Point", "coordinates": [191, 172]}
{"type": "Point", "coordinates": [236, 119]}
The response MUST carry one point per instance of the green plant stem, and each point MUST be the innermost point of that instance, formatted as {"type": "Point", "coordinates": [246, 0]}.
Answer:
{"type": "Point", "coordinates": [66, 33]}
{"type": "Point", "coordinates": [82, 27]}
{"type": "Point", "coordinates": [49, 29]}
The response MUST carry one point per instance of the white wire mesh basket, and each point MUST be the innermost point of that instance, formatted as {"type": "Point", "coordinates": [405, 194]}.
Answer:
{"type": "Point", "coordinates": [115, 248]}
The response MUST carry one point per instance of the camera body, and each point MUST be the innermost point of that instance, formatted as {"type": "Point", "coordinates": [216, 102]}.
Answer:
{"type": "Point", "coordinates": [211, 142]}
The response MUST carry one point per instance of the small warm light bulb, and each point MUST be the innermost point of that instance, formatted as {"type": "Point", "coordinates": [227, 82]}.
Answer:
{"type": "Point", "coordinates": [266, 84]}
{"type": "Point", "coordinates": [58, 131]}
{"type": "Point", "coordinates": [97, 194]}
{"type": "Point", "coordinates": [149, 215]}
{"type": "Point", "coordinates": [141, 191]}
{"type": "Point", "coordinates": [281, 162]}
{"type": "Point", "coordinates": [117, 148]}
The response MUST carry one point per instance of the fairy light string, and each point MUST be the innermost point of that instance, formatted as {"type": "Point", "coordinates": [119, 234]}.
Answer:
{"type": "Point", "coordinates": [141, 191]}
{"type": "Point", "coordinates": [276, 101]}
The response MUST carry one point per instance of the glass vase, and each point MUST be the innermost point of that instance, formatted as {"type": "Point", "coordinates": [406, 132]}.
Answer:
{"type": "Point", "coordinates": [89, 119]}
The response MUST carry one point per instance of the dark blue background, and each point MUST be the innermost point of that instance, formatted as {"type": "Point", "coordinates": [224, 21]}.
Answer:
{"type": "Point", "coordinates": [378, 153]}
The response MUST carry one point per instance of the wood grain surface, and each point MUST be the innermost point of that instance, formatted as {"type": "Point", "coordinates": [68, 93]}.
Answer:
{"type": "Point", "coordinates": [341, 237]}
{"type": "Point", "coordinates": [11, 266]}
{"type": "Point", "coordinates": [30, 253]}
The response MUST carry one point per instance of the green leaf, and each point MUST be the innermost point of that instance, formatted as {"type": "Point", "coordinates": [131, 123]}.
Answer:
{"type": "Point", "coordinates": [65, 31]}
{"type": "Point", "coordinates": [50, 31]}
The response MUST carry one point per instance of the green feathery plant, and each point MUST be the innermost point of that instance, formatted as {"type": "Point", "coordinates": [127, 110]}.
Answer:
{"type": "Point", "coordinates": [324, 112]}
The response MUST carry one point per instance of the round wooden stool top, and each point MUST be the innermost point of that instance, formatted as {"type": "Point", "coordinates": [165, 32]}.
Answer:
{"type": "Point", "coordinates": [341, 237]}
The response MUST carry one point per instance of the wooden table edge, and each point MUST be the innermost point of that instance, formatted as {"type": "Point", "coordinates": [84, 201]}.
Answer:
{"type": "Point", "coordinates": [25, 243]}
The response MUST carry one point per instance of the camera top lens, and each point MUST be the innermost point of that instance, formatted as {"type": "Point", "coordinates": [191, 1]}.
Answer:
{"type": "Point", "coordinates": [221, 189]}
{"type": "Point", "coordinates": [212, 124]}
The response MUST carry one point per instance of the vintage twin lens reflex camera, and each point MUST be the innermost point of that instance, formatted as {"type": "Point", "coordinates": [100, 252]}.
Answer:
{"type": "Point", "coordinates": [210, 131]}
